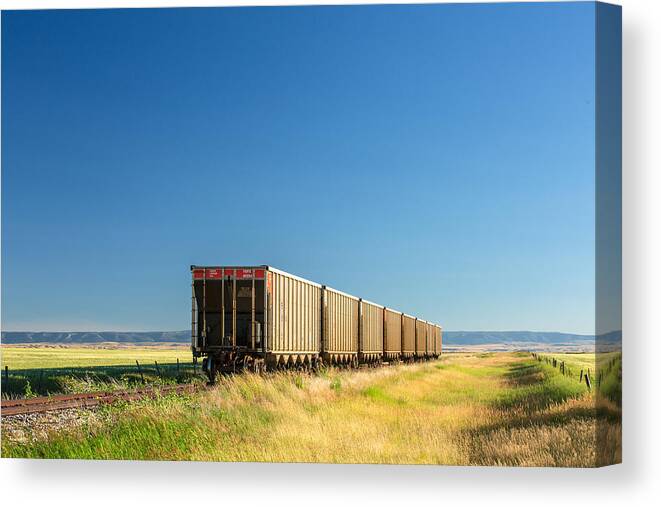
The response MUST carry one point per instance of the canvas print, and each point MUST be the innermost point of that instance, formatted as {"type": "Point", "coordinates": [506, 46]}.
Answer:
{"type": "Point", "coordinates": [380, 234]}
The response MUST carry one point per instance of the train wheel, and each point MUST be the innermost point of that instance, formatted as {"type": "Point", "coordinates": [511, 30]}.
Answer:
{"type": "Point", "coordinates": [247, 364]}
{"type": "Point", "coordinates": [211, 370]}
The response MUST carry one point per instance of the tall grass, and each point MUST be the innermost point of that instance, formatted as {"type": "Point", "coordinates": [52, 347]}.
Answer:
{"type": "Point", "coordinates": [605, 369]}
{"type": "Point", "coordinates": [504, 409]}
{"type": "Point", "coordinates": [609, 372]}
{"type": "Point", "coordinates": [54, 370]}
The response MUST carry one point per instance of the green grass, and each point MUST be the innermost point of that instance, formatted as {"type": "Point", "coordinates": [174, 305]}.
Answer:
{"type": "Point", "coordinates": [605, 371]}
{"type": "Point", "coordinates": [376, 393]}
{"type": "Point", "coordinates": [503, 409]}
{"type": "Point", "coordinates": [52, 370]}
{"type": "Point", "coordinates": [22, 358]}
{"type": "Point", "coordinates": [577, 361]}
{"type": "Point", "coordinates": [609, 372]}
{"type": "Point", "coordinates": [537, 386]}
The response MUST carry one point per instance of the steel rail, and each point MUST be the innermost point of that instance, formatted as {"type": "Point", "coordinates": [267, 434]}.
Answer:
{"type": "Point", "coordinates": [87, 400]}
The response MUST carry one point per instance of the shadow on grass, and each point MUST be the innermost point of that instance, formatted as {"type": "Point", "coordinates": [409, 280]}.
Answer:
{"type": "Point", "coordinates": [548, 438]}
{"type": "Point", "coordinates": [45, 381]}
{"type": "Point", "coordinates": [541, 418]}
{"type": "Point", "coordinates": [524, 374]}
{"type": "Point", "coordinates": [535, 386]}
{"type": "Point", "coordinates": [609, 375]}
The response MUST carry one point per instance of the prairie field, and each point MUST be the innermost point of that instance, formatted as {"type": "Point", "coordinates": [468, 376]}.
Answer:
{"type": "Point", "coordinates": [21, 358]}
{"type": "Point", "coordinates": [43, 370]}
{"type": "Point", "coordinates": [464, 409]}
{"type": "Point", "coordinates": [605, 369]}
{"type": "Point", "coordinates": [575, 362]}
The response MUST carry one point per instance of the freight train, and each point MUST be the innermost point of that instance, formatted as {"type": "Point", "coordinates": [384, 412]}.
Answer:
{"type": "Point", "coordinates": [259, 318]}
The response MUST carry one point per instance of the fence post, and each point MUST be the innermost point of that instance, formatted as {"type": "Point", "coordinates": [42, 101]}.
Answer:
{"type": "Point", "coordinates": [140, 371]}
{"type": "Point", "coordinates": [41, 380]}
{"type": "Point", "coordinates": [581, 379]}
{"type": "Point", "coordinates": [177, 367]}
{"type": "Point", "coordinates": [158, 370]}
{"type": "Point", "coordinates": [7, 376]}
{"type": "Point", "coordinates": [587, 380]}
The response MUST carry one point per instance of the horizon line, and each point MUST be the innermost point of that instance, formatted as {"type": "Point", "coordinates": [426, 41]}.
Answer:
{"type": "Point", "coordinates": [187, 330]}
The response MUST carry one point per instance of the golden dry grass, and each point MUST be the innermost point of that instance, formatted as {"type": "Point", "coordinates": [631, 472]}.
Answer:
{"type": "Point", "coordinates": [466, 409]}
{"type": "Point", "coordinates": [22, 357]}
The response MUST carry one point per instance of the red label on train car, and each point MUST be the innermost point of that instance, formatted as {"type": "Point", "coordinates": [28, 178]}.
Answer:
{"type": "Point", "coordinates": [214, 274]}
{"type": "Point", "coordinates": [259, 273]}
{"type": "Point", "coordinates": [198, 274]}
{"type": "Point", "coordinates": [228, 272]}
{"type": "Point", "coordinates": [242, 274]}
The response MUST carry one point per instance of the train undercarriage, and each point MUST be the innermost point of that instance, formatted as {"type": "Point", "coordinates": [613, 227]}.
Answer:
{"type": "Point", "coordinates": [228, 362]}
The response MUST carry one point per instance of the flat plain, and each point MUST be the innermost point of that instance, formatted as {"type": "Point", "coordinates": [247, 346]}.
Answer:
{"type": "Point", "coordinates": [464, 409]}
{"type": "Point", "coordinates": [60, 356]}
{"type": "Point", "coordinates": [56, 369]}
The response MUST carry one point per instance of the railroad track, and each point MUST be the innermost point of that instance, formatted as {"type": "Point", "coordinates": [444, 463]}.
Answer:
{"type": "Point", "coordinates": [87, 400]}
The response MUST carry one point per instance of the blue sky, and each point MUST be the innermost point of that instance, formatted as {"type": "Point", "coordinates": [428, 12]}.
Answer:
{"type": "Point", "coordinates": [435, 159]}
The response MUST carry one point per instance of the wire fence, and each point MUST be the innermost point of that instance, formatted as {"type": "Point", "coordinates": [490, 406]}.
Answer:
{"type": "Point", "coordinates": [607, 378]}
{"type": "Point", "coordinates": [581, 374]}
{"type": "Point", "coordinates": [43, 381]}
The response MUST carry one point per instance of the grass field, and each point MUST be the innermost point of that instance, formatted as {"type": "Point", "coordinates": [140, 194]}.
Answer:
{"type": "Point", "coordinates": [576, 362]}
{"type": "Point", "coordinates": [609, 372]}
{"type": "Point", "coordinates": [50, 370]}
{"type": "Point", "coordinates": [605, 370]}
{"type": "Point", "coordinates": [21, 358]}
{"type": "Point", "coordinates": [465, 409]}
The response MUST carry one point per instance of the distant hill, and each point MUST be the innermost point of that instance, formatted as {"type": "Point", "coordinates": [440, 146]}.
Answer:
{"type": "Point", "coordinates": [488, 337]}
{"type": "Point", "coordinates": [449, 337]}
{"type": "Point", "coordinates": [9, 337]}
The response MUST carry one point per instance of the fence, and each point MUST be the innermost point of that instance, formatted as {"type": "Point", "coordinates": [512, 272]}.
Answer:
{"type": "Point", "coordinates": [607, 379]}
{"type": "Point", "coordinates": [51, 380]}
{"type": "Point", "coordinates": [584, 376]}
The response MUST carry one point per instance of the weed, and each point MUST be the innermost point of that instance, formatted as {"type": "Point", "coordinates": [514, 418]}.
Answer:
{"type": "Point", "coordinates": [336, 384]}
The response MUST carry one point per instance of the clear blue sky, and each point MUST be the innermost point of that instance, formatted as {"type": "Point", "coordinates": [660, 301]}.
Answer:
{"type": "Point", "coordinates": [436, 159]}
